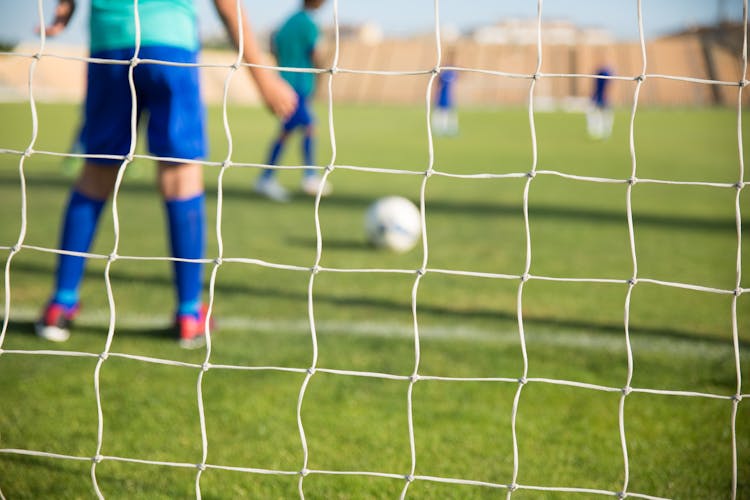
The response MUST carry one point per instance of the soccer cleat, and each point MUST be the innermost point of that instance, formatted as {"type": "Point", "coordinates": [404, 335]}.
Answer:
{"type": "Point", "coordinates": [311, 185]}
{"type": "Point", "coordinates": [192, 328]}
{"type": "Point", "coordinates": [55, 322]}
{"type": "Point", "coordinates": [271, 189]}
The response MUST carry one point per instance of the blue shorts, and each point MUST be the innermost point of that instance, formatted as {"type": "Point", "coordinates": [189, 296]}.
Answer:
{"type": "Point", "coordinates": [169, 94]}
{"type": "Point", "coordinates": [302, 116]}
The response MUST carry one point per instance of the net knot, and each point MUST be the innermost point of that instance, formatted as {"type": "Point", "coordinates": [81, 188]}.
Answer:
{"type": "Point", "coordinates": [329, 168]}
{"type": "Point", "coordinates": [226, 164]}
{"type": "Point", "coordinates": [37, 56]}
{"type": "Point", "coordinates": [739, 185]}
{"type": "Point", "coordinates": [112, 257]}
{"type": "Point", "coordinates": [135, 60]}
{"type": "Point", "coordinates": [531, 174]}
{"type": "Point", "coordinates": [201, 467]}
{"type": "Point", "coordinates": [414, 378]}
{"type": "Point", "coordinates": [621, 494]}
{"type": "Point", "coordinates": [626, 390]}
{"type": "Point", "coordinates": [218, 261]}
{"type": "Point", "coordinates": [304, 472]}
{"type": "Point", "coordinates": [535, 76]}
{"type": "Point", "coordinates": [640, 78]}
{"type": "Point", "coordinates": [633, 281]}
{"type": "Point", "coordinates": [409, 478]}
{"type": "Point", "coordinates": [97, 459]}
{"type": "Point", "coordinates": [435, 70]}
{"type": "Point", "coordinates": [421, 271]}
{"type": "Point", "coordinates": [315, 269]}
{"type": "Point", "coordinates": [333, 70]}
{"type": "Point", "coordinates": [311, 370]}
{"type": "Point", "coordinates": [28, 152]}
{"type": "Point", "coordinates": [735, 397]}
{"type": "Point", "coordinates": [743, 83]}
{"type": "Point", "coordinates": [523, 381]}
{"type": "Point", "coordinates": [632, 181]}
{"type": "Point", "coordinates": [737, 291]}
{"type": "Point", "coordinates": [512, 487]}
{"type": "Point", "coordinates": [525, 277]}
{"type": "Point", "coordinates": [14, 249]}
{"type": "Point", "coordinates": [103, 356]}
{"type": "Point", "coordinates": [205, 367]}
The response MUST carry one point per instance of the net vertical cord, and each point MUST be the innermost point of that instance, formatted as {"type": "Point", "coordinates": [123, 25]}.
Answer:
{"type": "Point", "coordinates": [113, 255]}
{"type": "Point", "coordinates": [513, 485]}
{"type": "Point", "coordinates": [630, 184]}
{"type": "Point", "coordinates": [304, 471]}
{"type": "Point", "coordinates": [22, 177]}
{"type": "Point", "coordinates": [409, 478]}
{"type": "Point", "coordinates": [738, 281]}
{"type": "Point", "coordinates": [217, 262]}
{"type": "Point", "coordinates": [633, 255]}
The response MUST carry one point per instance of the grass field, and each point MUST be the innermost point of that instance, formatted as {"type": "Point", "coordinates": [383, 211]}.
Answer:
{"type": "Point", "coordinates": [568, 436]}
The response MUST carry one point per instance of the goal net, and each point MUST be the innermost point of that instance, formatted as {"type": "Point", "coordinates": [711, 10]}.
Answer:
{"type": "Point", "coordinates": [535, 86]}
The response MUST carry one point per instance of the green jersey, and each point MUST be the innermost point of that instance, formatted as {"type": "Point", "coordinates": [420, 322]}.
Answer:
{"type": "Point", "coordinates": [171, 23]}
{"type": "Point", "coordinates": [294, 44]}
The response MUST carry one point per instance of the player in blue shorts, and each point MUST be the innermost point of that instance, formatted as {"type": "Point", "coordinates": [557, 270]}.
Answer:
{"type": "Point", "coordinates": [176, 129]}
{"type": "Point", "coordinates": [294, 46]}
{"type": "Point", "coordinates": [599, 119]}
{"type": "Point", "coordinates": [444, 116]}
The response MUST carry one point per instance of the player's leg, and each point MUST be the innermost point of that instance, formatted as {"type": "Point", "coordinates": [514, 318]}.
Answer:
{"type": "Point", "coordinates": [267, 184]}
{"type": "Point", "coordinates": [277, 148]}
{"type": "Point", "coordinates": [184, 199]}
{"type": "Point", "coordinates": [176, 129]}
{"type": "Point", "coordinates": [608, 120]}
{"type": "Point", "coordinates": [593, 122]}
{"type": "Point", "coordinates": [80, 220]}
{"type": "Point", "coordinates": [451, 121]}
{"type": "Point", "coordinates": [439, 121]}
{"type": "Point", "coordinates": [106, 130]}
{"type": "Point", "coordinates": [311, 179]}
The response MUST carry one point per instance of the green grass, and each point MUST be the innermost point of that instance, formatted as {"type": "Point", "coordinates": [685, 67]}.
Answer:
{"type": "Point", "coordinates": [678, 446]}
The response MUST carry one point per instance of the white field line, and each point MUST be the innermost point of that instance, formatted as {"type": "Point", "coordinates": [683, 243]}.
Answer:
{"type": "Point", "coordinates": [562, 337]}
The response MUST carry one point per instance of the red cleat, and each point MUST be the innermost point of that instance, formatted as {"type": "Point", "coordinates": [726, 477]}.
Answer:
{"type": "Point", "coordinates": [192, 329]}
{"type": "Point", "coordinates": [55, 322]}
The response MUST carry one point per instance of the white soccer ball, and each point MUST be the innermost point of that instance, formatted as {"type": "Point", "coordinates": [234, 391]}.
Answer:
{"type": "Point", "coordinates": [394, 223]}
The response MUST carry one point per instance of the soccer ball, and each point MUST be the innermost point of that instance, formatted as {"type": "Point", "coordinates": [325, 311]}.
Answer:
{"type": "Point", "coordinates": [394, 223]}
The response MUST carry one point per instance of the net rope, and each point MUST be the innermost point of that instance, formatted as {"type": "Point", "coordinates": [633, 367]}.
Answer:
{"type": "Point", "coordinates": [410, 476]}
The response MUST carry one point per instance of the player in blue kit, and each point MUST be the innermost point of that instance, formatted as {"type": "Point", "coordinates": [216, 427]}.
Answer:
{"type": "Point", "coordinates": [444, 116]}
{"type": "Point", "coordinates": [176, 130]}
{"type": "Point", "coordinates": [599, 119]}
{"type": "Point", "coordinates": [294, 46]}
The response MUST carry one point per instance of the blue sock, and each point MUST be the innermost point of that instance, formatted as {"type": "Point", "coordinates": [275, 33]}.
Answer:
{"type": "Point", "coordinates": [187, 233]}
{"type": "Point", "coordinates": [273, 159]}
{"type": "Point", "coordinates": [79, 226]}
{"type": "Point", "coordinates": [308, 153]}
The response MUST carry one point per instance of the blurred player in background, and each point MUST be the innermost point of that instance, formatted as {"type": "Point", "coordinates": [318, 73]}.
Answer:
{"type": "Point", "coordinates": [294, 45]}
{"type": "Point", "coordinates": [444, 115]}
{"type": "Point", "coordinates": [176, 129]}
{"type": "Point", "coordinates": [599, 118]}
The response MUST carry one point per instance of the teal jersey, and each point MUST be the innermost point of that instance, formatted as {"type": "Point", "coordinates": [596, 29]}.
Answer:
{"type": "Point", "coordinates": [293, 46]}
{"type": "Point", "coordinates": [171, 23]}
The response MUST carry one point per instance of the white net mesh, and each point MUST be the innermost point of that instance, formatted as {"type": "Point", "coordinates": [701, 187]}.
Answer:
{"type": "Point", "coordinates": [310, 372]}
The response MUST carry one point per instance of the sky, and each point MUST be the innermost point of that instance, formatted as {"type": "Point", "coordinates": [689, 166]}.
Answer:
{"type": "Point", "coordinates": [18, 18]}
